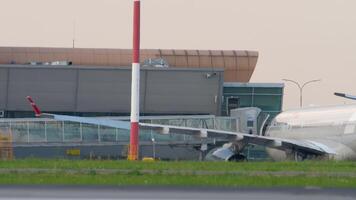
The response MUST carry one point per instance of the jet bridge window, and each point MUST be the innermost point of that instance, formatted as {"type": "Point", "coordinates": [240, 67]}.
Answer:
{"type": "Point", "coordinates": [232, 103]}
{"type": "Point", "coordinates": [250, 123]}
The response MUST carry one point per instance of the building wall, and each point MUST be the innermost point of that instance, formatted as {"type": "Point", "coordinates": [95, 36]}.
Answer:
{"type": "Point", "coordinates": [3, 88]}
{"type": "Point", "coordinates": [238, 65]}
{"type": "Point", "coordinates": [266, 96]}
{"type": "Point", "coordinates": [108, 89]}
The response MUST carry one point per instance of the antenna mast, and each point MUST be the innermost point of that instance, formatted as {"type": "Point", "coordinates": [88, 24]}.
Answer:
{"type": "Point", "coordinates": [135, 85]}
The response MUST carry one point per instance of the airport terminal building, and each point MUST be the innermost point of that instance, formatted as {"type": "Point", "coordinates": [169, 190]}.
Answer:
{"type": "Point", "coordinates": [178, 87]}
{"type": "Point", "coordinates": [96, 82]}
{"type": "Point", "coordinates": [105, 91]}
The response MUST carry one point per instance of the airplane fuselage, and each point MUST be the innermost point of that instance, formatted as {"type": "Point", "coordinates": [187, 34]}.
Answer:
{"type": "Point", "coordinates": [332, 127]}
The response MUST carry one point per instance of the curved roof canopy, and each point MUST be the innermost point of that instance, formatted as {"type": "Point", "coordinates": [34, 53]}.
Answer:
{"type": "Point", "coordinates": [238, 65]}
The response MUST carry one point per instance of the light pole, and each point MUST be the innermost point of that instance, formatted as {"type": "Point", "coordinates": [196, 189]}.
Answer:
{"type": "Point", "coordinates": [301, 86]}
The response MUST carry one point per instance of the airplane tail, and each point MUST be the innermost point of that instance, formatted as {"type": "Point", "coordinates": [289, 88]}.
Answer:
{"type": "Point", "coordinates": [347, 96]}
{"type": "Point", "coordinates": [37, 111]}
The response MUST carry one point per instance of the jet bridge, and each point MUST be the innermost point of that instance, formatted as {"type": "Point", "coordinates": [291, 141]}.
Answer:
{"type": "Point", "coordinates": [251, 120]}
{"type": "Point", "coordinates": [42, 137]}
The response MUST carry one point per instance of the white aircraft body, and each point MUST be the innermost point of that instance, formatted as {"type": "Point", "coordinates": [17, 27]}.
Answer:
{"type": "Point", "coordinates": [310, 133]}
{"type": "Point", "coordinates": [331, 128]}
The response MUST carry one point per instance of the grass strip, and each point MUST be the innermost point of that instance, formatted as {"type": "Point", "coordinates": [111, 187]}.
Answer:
{"type": "Point", "coordinates": [176, 172]}
{"type": "Point", "coordinates": [176, 180]}
{"type": "Point", "coordinates": [222, 174]}
{"type": "Point", "coordinates": [309, 166]}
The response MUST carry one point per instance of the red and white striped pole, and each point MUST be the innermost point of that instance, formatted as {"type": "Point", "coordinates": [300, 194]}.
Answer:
{"type": "Point", "coordinates": [135, 85]}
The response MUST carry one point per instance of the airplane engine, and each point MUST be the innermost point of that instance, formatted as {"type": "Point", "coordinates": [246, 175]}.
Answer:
{"type": "Point", "coordinates": [225, 153]}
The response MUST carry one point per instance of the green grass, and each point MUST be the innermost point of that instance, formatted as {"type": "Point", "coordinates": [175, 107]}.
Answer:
{"type": "Point", "coordinates": [135, 177]}
{"type": "Point", "coordinates": [310, 166]}
{"type": "Point", "coordinates": [221, 181]}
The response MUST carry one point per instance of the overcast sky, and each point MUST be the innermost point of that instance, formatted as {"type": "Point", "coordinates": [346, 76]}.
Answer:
{"type": "Point", "coordinates": [296, 39]}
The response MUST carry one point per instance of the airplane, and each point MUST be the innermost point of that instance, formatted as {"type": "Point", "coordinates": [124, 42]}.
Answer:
{"type": "Point", "coordinates": [325, 133]}
{"type": "Point", "coordinates": [347, 96]}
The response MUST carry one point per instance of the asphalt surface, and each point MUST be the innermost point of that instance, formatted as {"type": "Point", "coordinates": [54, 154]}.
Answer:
{"type": "Point", "coordinates": [151, 193]}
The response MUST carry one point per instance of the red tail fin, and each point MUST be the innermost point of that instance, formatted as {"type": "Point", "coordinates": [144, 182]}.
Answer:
{"type": "Point", "coordinates": [34, 107]}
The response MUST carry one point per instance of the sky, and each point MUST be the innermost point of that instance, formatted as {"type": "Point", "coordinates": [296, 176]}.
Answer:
{"type": "Point", "coordinates": [296, 39]}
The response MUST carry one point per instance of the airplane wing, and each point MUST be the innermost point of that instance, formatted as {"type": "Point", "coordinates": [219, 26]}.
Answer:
{"type": "Point", "coordinates": [88, 120]}
{"type": "Point", "coordinates": [277, 143]}
{"type": "Point", "coordinates": [347, 96]}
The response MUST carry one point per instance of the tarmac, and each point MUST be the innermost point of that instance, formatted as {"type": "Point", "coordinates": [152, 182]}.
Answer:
{"type": "Point", "coordinates": [170, 193]}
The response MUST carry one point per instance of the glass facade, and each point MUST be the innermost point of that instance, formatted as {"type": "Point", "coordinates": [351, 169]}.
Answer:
{"type": "Point", "coordinates": [266, 96]}
{"type": "Point", "coordinates": [44, 130]}
{"type": "Point", "coordinates": [49, 132]}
